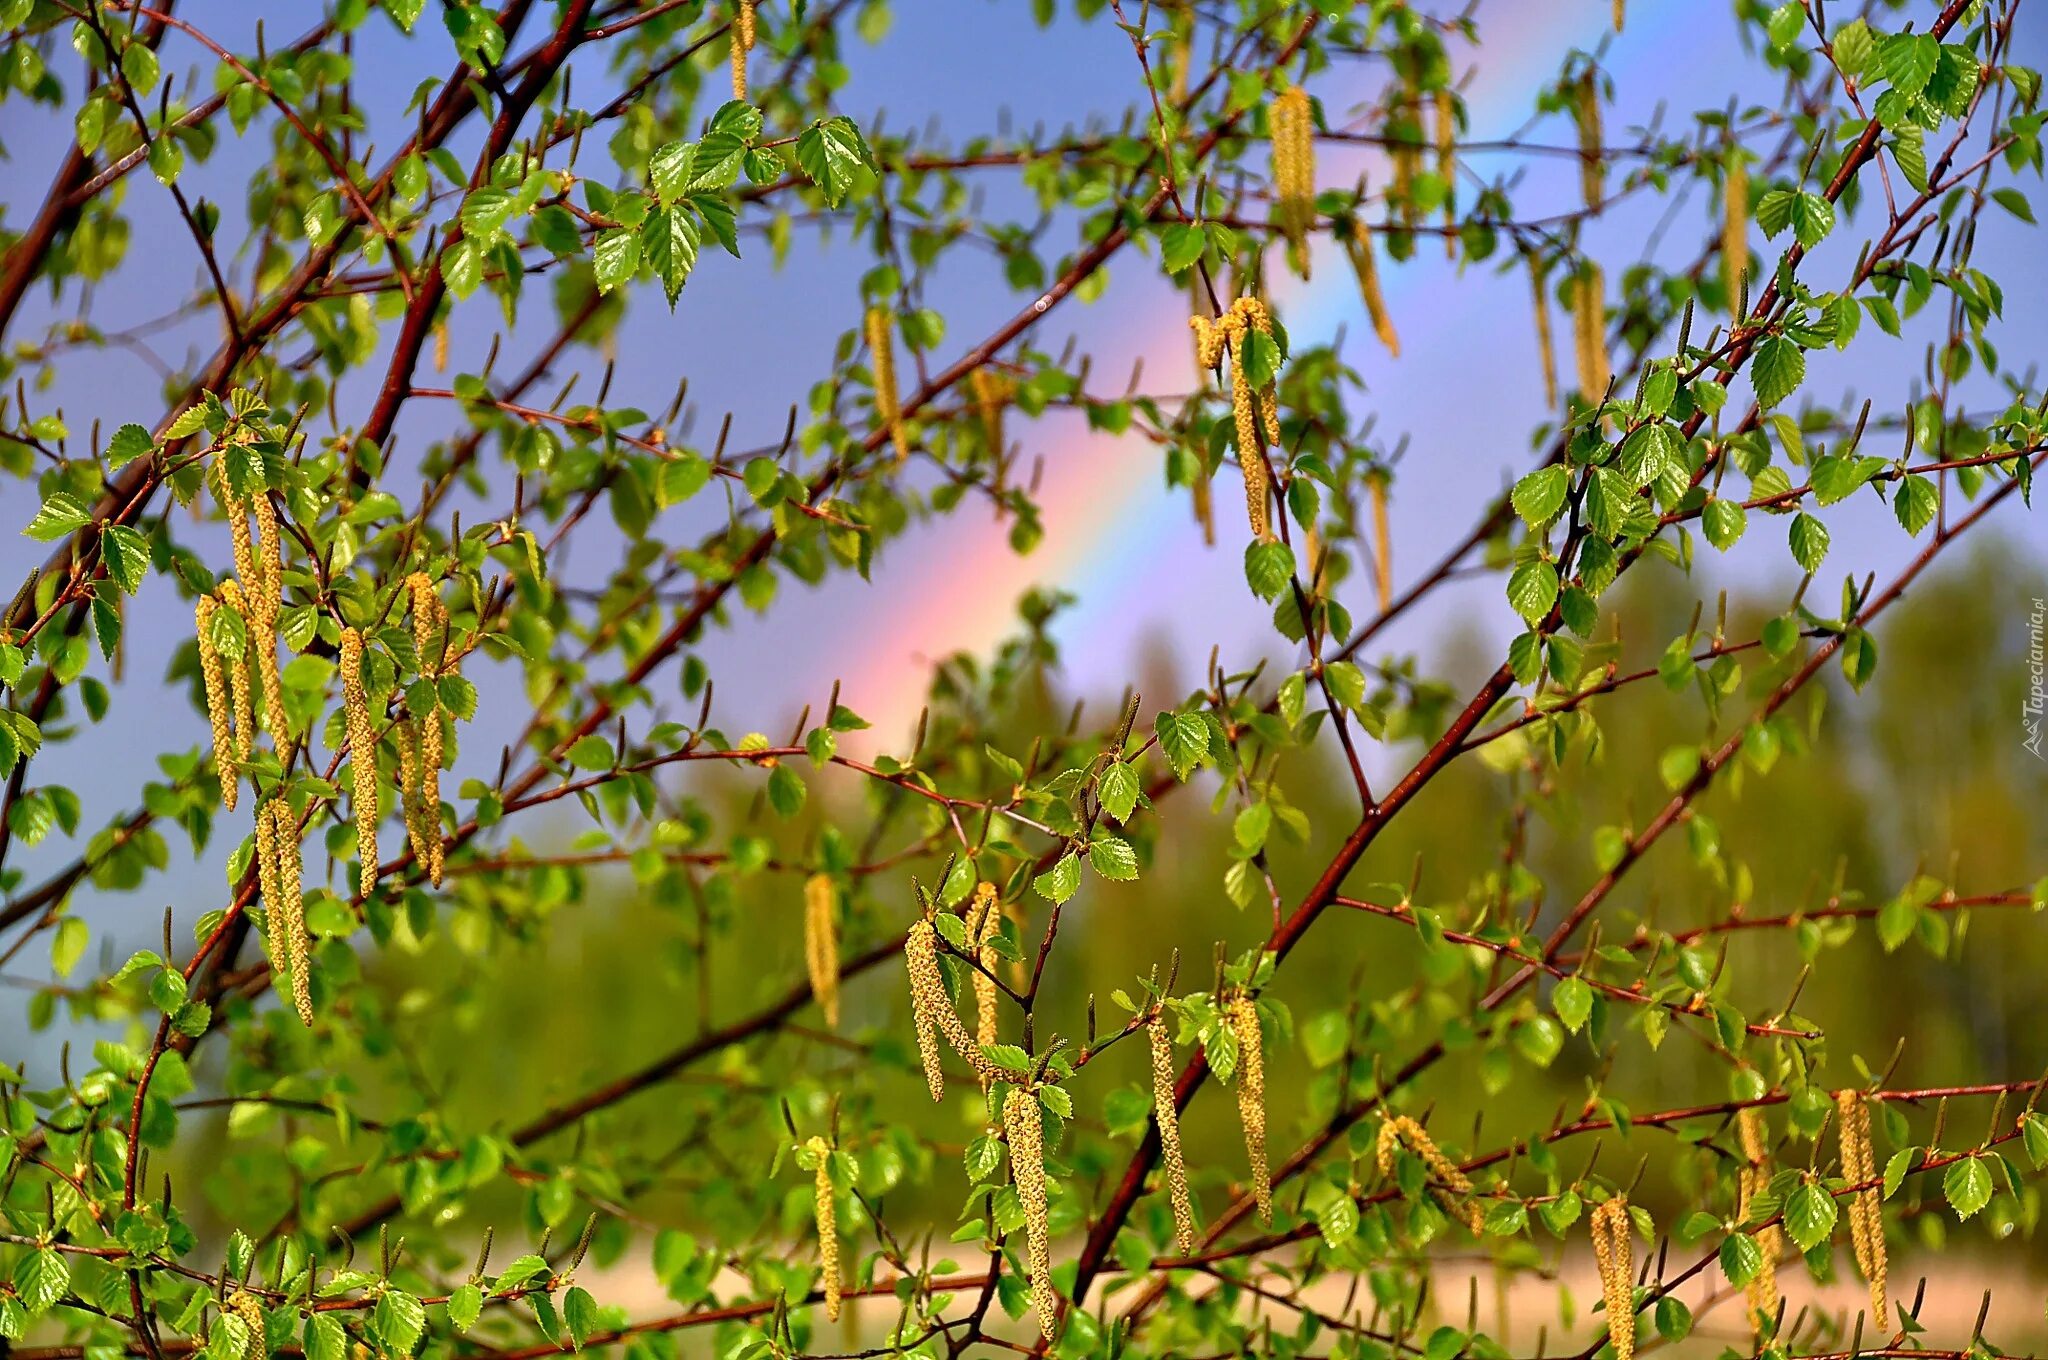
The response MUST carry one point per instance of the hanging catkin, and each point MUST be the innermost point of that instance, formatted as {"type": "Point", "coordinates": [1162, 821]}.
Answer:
{"type": "Point", "coordinates": [405, 735]}
{"type": "Point", "coordinates": [1589, 332]}
{"type": "Point", "coordinates": [985, 921]}
{"type": "Point", "coordinates": [1167, 1113]}
{"type": "Point", "coordinates": [927, 999]}
{"type": "Point", "coordinates": [1762, 1289]}
{"type": "Point", "coordinates": [1735, 223]}
{"type": "Point", "coordinates": [249, 1312]}
{"type": "Point", "coordinates": [1613, 1252]}
{"type": "Point", "coordinates": [1545, 349]}
{"type": "Point", "coordinates": [1251, 1097]}
{"type": "Point", "coordinates": [1364, 263]}
{"type": "Point", "coordinates": [1403, 1128]}
{"type": "Point", "coordinates": [429, 623]}
{"type": "Point", "coordinates": [1291, 121]}
{"type": "Point", "coordinates": [990, 390]}
{"type": "Point", "coordinates": [432, 737]}
{"type": "Point", "coordinates": [742, 43]}
{"type": "Point", "coordinates": [1620, 13]}
{"type": "Point", "coordinates": [240, 679]}
{"type": "Point", "coordinates": [290, 904]}
{"type": "Point", "coordinates": [1592, 163]}
{"type": "Point", "coordinates": [828, 1226]}
{"type": "Point", "coordinates": [362, 756]}
{"type": "Point", "coordinates": [1382, 541]}
{"type": "Point", "coordinates": [821, 945]}
{"type": "Point", "coordinates": [880, 330]}
{"type": "Point", "coordinates": [1447, 165]}
{"type": "Point", "coordinates": [267, 886]}
{"type": "Point", "coordinates": [266, 599]}
{"type": "Point", "coordinates": [238, 526]}
{"type": "Point", "coordinates": [219, 710]}
{"type": "Point", "coordinates": [1866, 1209]}
{"type": "Point", "coordinates": [1024, 1128]}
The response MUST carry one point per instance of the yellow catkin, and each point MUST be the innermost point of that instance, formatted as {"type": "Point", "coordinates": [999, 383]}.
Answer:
{"type": "Point", "coordinates": [1614, 1252]}
{"type": "Point", "coordinates": [927, 999]}
{"type": "Point", "coordinates": [1292, 122]}
{"type": "Point", "coordinates": [1382, 541]}
{"type": "Point", "coordinates": [1183, 53]}
{"type": "Point", "coordinates": [405, 735]}
{"type": "Point", "coordinates": [240, 671]}
{"type": "Point", "coordinates": [1762, 1290]}
{"type": "Point", "coordinates": [1620, 13]}
{"type": "Point", "coordinates": [290, 904]}
{"type": "Point", "coordinates": [1251, 451]}
{"type": "Point", "coordinates": [1365, 264]}
{"type": "Point", "coordinates": [1589, 330]}
{"type": "Point", "coordinates": [441, 348]}
{"type": "Point", "coordinates": [1447, 165]}
{"type": "Point", "coordinates": [985, 921]}
{"type": "Point", "coordinates": [266, 599]}
{"type": "Point", "coordinates": [267, 885]}
{"type": "Point", "coordinates": [1167, 1113]}
{"type": "Point", "coordinates": [821, 945]}
{"type": "Point", "coordinates": [432, 735]}
{"type": "Point", "coordinates": [1257, 318]}
{"type": "Point", "coordinates": [1024, 1127]}
{"type": "Point", "coordinates": [1404, 1128]}
{"type": "Point", "coordinates": [880, 330]}
{"type": "Point", "coordinates": [991, 393]}
{"type": "Point", "coordinates": [1866, 1209]}
{"type": "Point", "coordinates": [429, 622]}
{"type": "Point", "coordinates": [1592, 161]}
{"type": "Point", "coordinates": [742, 43]}
{"type": "Point", "coordinates": [244, 1306]}
{"type": "Point", "coordinates": [1545, 350]}
{"type": "Point", "coordinates": [219, 712]}
{"type": "Point", "coordinates": [362, 755]}
{"type": "Point", "coordinates": [1735, 224]}
{"type": "Point", "coordinates": [238, 527]}
{"type": "Point", "coordinates": [826, 1212]}
{"type": "Point", "coordinates": [1251, 1097]}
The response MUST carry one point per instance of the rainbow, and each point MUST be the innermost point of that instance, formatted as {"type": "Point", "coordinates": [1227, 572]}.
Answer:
{"type": "Point", "coordinates": [1109, 520]}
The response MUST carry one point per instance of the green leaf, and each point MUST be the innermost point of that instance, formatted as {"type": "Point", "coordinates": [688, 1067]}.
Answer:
{"type": "Point", "coordinates": [1060, 882]}
{"type": "Point", "coordinates": [786, 791]}
{"type": "Point", "coordinates": [41, 1279]}
{"type": "Point", "coordinates": [579, 1312]}
{"type": "Point", "coordinates": [1532, 589]}
{"type": "Point", "coordinates": [1908, 60]}
{"type": "Point", "coordinates": [1809, 539]}
{"type": "Point", "coordinates": [2034, 1133]}
{"type": "Point", "coordinates": [1113, 858]}
{"type": "Point", "coordinates": [1967, 1185]}
{"type": "Point", "coordinates": [129, 443]}
{"type": "Point", "coordinates": [126, 553]}
{"type": "Point", "coordinates": [668, 242]}
{"type": "Point", "coordinates": [832, 152]}
{"type": "Point", "coordinates": [465, 1304]}
{"type": "Point", "coordinates": [59, 517]}
{"type": "Point", "coordinates": [1184, 739]}
{"type": "Point", "coordinates": [1813, 217]}
{"type": "Point", "coordinates": [1723, 522]}
{"type": "Point", "coordinates": [1268, 567]}
{"type": "Point", "coordinates": [615, 259]}
{"type": "Point", "coordinates": [1118, 789]}
{"type": "Point", "coordinates": [1180, 245]}
{"type": "Point", "coordinates": [1573, 1002]}
{"type": "Point", "coordinates": [1779, 368]}
{"type": "Point", "coordinates": [1651, 452]}
{"type": "Point", "coordinates": [1810, 1213]}
{"type": "Point", "coordinates": [1741, 1258]}
{"type": "Point", "coordinates": [591, 753]}
{"type": "Point", "coordinates": [1914, 503]}
{"type": "Point", "coordinates": [1540, 495]}
{"type": "Point", "coordinates": [398, 1320]}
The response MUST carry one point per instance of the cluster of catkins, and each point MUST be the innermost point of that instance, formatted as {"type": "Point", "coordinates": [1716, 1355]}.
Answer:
{"type": "Point", "coordinates": [420, 739]}
{"type": "Point", "coordinates": [237, 667]}
{"type": "Point", "coordinates": [1255, 413]}
{"type": "Point", "coordinates": [1866, 1209]}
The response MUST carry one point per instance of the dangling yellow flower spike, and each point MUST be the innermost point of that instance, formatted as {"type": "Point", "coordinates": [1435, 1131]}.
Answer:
{"type": "Point", "coordinates": [1614, 1253]}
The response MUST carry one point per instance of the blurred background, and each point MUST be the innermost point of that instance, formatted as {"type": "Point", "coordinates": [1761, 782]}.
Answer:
{"type": "Point", "coordinates": [1922, 772]}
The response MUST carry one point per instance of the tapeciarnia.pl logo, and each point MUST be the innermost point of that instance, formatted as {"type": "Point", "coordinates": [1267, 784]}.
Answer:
{"type": "Point", "coordinates": [2037, 678]}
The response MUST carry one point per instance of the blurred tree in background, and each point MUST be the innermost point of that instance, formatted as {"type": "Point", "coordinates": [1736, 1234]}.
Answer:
{"type": "Point", "coordinates": [1673, 954]}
